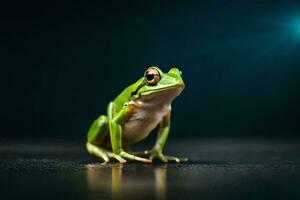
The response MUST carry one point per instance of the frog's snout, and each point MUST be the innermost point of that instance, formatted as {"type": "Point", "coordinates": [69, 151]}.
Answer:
{"type": "Point", "coordinates": [175, 71]}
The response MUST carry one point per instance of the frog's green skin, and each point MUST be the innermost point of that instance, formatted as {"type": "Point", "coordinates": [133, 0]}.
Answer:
{"type": "Point", "coordinates": [132, 115]}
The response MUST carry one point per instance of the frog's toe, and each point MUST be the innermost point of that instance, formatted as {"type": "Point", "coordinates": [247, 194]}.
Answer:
{"type": "Point", "coordinates": [165, 159]}
{"type": "Point", "coordinates": [117, 157]}
{"type": "Point", "coordinates": [176, 159]}
{"type": "Point", "coordinates": [136, 158]}
{"type": "Point", "coordinates": [144, 153]}
{"type": "Point", "coordinates": [104, 158]}
{"type": "Point", "coordinates": [98, 152]}
{"type": "Point", "coordinates": [160, 157]}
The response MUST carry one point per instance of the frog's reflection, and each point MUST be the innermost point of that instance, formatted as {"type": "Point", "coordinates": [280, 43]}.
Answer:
{"type": "Point", "coordinates": [130, 181]}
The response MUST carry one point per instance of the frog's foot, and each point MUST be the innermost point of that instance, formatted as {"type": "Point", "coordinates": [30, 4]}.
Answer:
{"type": "Point", "coordinates": [104, 154]}
{"type": "Point", "coordinates": [133, 157]}
{"type": "Point", "coordinates": [145, 153]}
{"type": "Point", "coordinates": [164, 158]}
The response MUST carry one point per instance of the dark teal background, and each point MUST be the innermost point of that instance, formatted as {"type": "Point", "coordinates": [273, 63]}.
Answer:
{"type": "Point", "coordinates": [61, 63]}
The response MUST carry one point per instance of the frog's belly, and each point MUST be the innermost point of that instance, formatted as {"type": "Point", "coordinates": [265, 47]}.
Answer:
{"type": "Point", "coordinates": [142, 122]}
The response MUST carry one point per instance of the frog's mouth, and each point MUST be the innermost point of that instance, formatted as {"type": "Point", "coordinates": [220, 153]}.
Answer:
{"type": "Point", "coordinates": [173, 90]}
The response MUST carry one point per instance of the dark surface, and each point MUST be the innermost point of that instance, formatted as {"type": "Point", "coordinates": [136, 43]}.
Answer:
{"type": "Point", "coordinates": [218, 169]}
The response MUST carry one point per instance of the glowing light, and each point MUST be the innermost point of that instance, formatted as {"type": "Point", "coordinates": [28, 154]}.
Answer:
{"type": "Point", "coordinates": [289, 25]}
{"type": "Point", "coordinates": [296, 26]}
{"type": "Point", "coordinates": [298, 29]}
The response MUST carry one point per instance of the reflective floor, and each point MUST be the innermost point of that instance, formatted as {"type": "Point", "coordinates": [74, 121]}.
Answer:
{"type": "Point", "coordinates": [218, 169]}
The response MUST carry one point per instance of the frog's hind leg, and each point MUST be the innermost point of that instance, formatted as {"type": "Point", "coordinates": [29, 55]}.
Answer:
{"type": "Point", "coordinates": [98, 130]}
{"type": "Point", "coordinates": [96, 137]}
{"type": "Point", "coordinates": [103, 153]}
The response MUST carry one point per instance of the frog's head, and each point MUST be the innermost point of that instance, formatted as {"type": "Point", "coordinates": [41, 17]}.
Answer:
{"type": "Point", "coordinates": [155, 81]}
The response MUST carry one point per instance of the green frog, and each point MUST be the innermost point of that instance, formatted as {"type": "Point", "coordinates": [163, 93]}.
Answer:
{"type": "Point", "coordinates": [133, 114]}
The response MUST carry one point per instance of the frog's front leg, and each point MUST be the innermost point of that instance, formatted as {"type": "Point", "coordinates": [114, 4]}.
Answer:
{"type": "Point", "coordinates": [163, 132]}
{"type": "Point", "coordinates": [116, 134]}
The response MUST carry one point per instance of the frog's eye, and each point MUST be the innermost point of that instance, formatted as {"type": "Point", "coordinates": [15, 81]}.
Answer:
{"type": "Point", "coordinates": [152, 75]}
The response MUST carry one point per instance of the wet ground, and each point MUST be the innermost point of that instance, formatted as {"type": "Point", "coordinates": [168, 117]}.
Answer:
{"type": "Point", "coordinates": [218, 169]}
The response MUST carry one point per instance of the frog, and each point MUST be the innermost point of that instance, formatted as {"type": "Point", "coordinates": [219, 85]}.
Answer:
{"type": "Point", "coordinates": [133, 115]}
